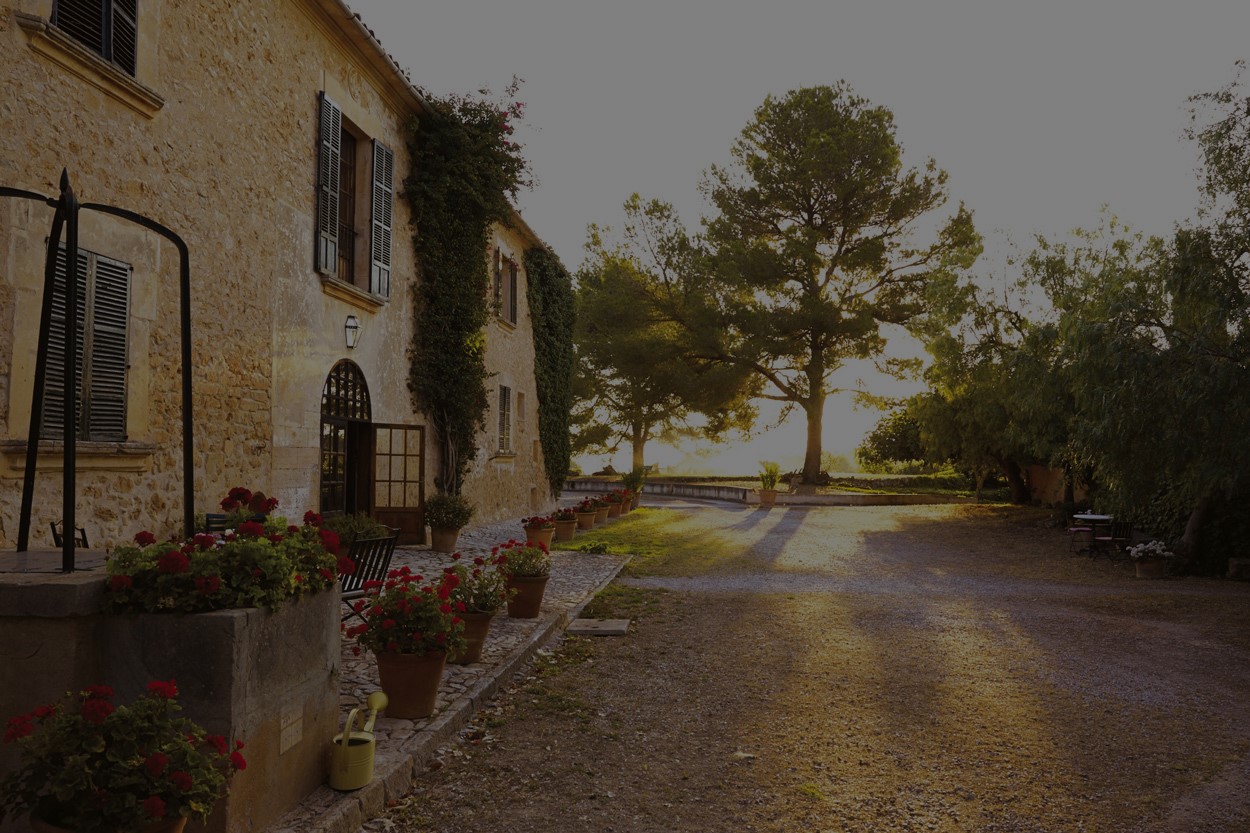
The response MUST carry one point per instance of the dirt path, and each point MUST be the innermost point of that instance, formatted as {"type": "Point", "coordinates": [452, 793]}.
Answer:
{"type": "Point", "coordinates": [872, 669]}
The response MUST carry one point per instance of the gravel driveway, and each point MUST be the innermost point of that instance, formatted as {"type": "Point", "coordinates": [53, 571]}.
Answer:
{"type": "Point", "coordinates": [945, 668]}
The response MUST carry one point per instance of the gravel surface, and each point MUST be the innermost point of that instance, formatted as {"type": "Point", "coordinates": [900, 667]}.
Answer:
{"type": "Point", "coordinates": [943, 668]}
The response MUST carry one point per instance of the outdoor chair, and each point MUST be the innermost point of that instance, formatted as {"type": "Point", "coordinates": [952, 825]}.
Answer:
{"type": "Point", "coordinates": [1079, 532]}
{"type": "Point", "coordinates": [58, 539]}
{"type": "Point", "coordinates": [373, 561]}
{"type": "Point", "coordinates": [1111, 540]}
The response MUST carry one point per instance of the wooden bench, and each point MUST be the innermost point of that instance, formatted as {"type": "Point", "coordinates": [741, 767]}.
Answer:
{"type": "Point", "coordinates": [372, 557]}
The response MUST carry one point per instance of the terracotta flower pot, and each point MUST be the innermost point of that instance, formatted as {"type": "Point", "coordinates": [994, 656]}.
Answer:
{"type": "Point", "coordinates": [614, 510]}
{"type": "Point", "coordinates": [539, 535]}
{"type": "Point", "coordinates": [601, 514]}
{"type": "Point", "coordinates": [527, 601]}
{"type": "Point", "coordinates": [768, 497]}
{"type": "Point", "coordinates": [476, 627]}
{"type": "Point", "coordinates": [565, 530]}
{"type": "Point", "coordinates": [1151, 567]}
{"type": "Point", "coordinates": [585, 520]}
{"type": "Point", "coordinates": [411, 682]}
{"type": "Point", "coordinates": [443, 539]}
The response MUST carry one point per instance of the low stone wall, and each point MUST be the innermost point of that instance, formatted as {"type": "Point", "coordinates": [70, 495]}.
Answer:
{"type": "Point", "coordinates": [739, 494]}
{"type": "Point", "coordinates": [269, 678]}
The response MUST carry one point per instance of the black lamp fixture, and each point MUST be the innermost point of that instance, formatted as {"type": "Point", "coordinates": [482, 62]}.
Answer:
{"type": "Point", "coordinates": [351, 328]}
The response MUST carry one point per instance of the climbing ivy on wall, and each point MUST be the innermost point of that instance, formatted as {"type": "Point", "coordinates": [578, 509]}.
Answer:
{"type": "Point", "coordinates": [550, 294]}
{"type": "Point", "coordinates": [465, 171]}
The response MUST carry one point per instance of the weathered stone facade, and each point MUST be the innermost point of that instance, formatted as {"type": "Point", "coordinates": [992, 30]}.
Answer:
{"type": "Point", "coordinates": [216, 137]}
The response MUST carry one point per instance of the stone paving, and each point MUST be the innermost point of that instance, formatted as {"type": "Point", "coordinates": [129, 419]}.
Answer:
{"type": "Point", "coordinates": [405, 746]}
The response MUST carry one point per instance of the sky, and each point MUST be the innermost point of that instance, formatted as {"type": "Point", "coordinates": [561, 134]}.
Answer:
{"type": "Point", "coordinates": [1041, 112]}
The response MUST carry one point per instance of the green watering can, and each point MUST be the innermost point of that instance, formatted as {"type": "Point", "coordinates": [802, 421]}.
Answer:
{"type": "Point", "coordinates": [351, 764]}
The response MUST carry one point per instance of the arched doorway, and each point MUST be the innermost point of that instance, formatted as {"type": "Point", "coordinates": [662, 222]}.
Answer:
{"type": "Point", "coordinates": [345, 439]}
{"type": "Point", "coordinates": [377, 468]}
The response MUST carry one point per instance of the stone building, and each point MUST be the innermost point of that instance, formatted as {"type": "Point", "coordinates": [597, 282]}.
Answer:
{"type": "Point", "coordinates": [272, 138]}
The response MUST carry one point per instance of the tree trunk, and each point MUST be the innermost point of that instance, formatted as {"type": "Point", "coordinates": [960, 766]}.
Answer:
{"type": "Point", "coordinates": [1187, 546]}
{"type": "Point", "coordinates": [980, 478]}
{"type": "Point", "coordinates": [815, 411]}
{"type": "Point", "coordinates": [637, 443]}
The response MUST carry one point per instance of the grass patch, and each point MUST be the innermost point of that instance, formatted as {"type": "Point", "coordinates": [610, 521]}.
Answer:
{"type": "Point", "coordinates": [618, 601]}
{"type": "Point", "coordinates": [663, 543]}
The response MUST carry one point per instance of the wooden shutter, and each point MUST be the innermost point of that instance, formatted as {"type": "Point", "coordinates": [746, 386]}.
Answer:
{"type": "Point", "coordinates": [104, 377]}
{"type": "Point", "coordinates": [383, 199]}
{"type": "Point", "coordinates": [512, 287]}
{"type": "Point", "coordinates": [107, 27]}
{"type": "Point", "coordinates": [498, 276]}
{"type": "Point", "coordinates": [328, 187]}
{"type": "Point", "coordinates": [123, 34]}
{"type": "Point", "coordinates": [505, 419]}
{"type": "Point", "coordinates": [54, 384]}
{"type": "Point", "coordinates": [83, 19]}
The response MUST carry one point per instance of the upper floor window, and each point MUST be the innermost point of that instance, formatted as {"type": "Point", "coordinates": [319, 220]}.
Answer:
{"type": "Point", "coordinates": [107, 27]}
{"type": "Point", "coordinates": [100, 360]}
{"type": "Point", "coordinates": [355, 201]}
{"type": "Point", "coordinates": [506, 277]}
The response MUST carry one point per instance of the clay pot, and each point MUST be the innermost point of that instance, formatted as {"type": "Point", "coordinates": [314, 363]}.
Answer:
{"type": "Point", "coordinates": [601, 514]}
{"type": "Point", "coordinates": [443, 539]}
{"type": "Point", "coordinates": [527, 601]}
{"type": "Point", "coordinates": [768, 497]}
{"type": "Point", "coordinates": [539, 535]}
{"type": "Point", "coordinates": [1151, 567]}
{"type": "Point", "coordinates": [614, 510]}
{"type": "Point", "coordinates": [586, 520]}
{"type": "Point", "coordinates": [565, 530]}
{"type": "Point", "coordinates": [476, 627]}
{"type": "Point", "coordinates": [411, 682]}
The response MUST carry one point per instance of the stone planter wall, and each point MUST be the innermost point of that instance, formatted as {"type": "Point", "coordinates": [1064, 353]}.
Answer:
{"type": "Point", "coordinates": [269, 678]}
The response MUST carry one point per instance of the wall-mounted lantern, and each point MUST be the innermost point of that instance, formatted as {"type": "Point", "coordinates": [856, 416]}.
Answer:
{"type": "Point", "coordinates": [351, 328]}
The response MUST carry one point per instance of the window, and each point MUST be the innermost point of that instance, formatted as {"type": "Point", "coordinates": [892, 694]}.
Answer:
{"type": "Point", "coordinates": [520, 412]}
{"type": "Point", "coordinates": [100, 360]}
{"type": "Point", "coordinates": [107, 27]}
{"type": "Point", "coordinates": [354, 224]}
{"type": "Point", "coordinates": [505, 419]}
{"type": "Point", "coordinates": [506, 274]}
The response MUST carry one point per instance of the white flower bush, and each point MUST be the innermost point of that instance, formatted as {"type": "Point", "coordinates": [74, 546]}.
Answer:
{"type": "Point", "coordinates": [1154, 549]}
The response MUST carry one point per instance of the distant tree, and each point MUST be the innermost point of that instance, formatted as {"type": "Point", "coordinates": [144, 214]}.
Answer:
{"type": "Point", "coordinates": [635, 380]}
{"type": "Point", "coordinates": [894, 439]}
{"type": "Point", "coordinates": [813, 249]}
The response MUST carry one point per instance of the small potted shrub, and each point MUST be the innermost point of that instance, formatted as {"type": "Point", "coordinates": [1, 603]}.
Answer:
{"type": "Point", "coordinates": [410, 624]}
{"type": "Point", "coordinates": [90, 766]}
{"type": "Point", "coordinates": [477, 598]}
{"type": "Point", "coordinates": [615, 501]}
{"type": "Point", "coordinates": [1151, 560]}
{"type": "Point", "coordinates": [566, 523]}
{"type": "Point", "coordinates": [602, 508]}
{"type": "Point", "coordinates": [446, 515]}
{"type": "Point", "coordinates": [770, 473]}
{"type": "Point", "coordinates": [526, 569]}
{"type": "Point", "coordinates": [633, 481]}
{"type": "Point", "coordinates": [539, 529]}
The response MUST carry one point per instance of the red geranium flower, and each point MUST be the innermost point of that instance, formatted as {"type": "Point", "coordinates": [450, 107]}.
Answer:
{"type": "Point", "coordinates": [173, 562]}
{"type": "Point", "coordinates": [95, 711]}
{"type": "Point", "coordinates": [18, 727]}
{"type": "Point", "coordinates": [181, 780]}
{"type": "Point", "coordinates": [207, 585]}
{"type": "Point", "coordinates": [237, 761]}
{"type": "Point", "coordinates": [311, 518]}
{"type": "Point", "coordinates": [156, 763]}
{"type": "Point", "coordinates": [329, 540]}
{"type": "Point", "coordinates": [217, 742]}
{"type": "Point", "coordinates": [154, 807]}
{"type": "Point", "coordinates": [164, 688]}
{"type": "Point", "coordinates": [120, 582]}
{"type": "Point", "coordinates": [346, 566]}
{"type": "Point", "coordinates": [252, 528]}
{"type": "Point", "coordinates": [144, 538]}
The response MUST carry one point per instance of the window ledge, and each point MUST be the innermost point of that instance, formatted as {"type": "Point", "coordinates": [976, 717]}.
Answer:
{"type": "Point", "coordinates": [503, 456]}
{"type": "Point", "coordinates": [352, 294]}
{"type": "Point", "coordinates": [66, 52]}
{"type": "Point", "coordinates": [90, 456]}
{"type": "Point", "coordinates": [505, 323]}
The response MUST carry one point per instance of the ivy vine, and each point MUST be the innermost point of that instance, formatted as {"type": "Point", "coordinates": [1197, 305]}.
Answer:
{"type": "Point", "coordinates": [550, 295]}
{"type": "Point", "coordinates": [465, 172]}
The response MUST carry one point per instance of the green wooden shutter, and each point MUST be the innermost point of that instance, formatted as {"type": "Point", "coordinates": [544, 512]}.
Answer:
{"type": "Point", "coordinates": [104, 378]}
{"type": "Point", "coordinates": [512, 291]}
{"type": "Point", "coordinates": [54, 382]}
{"type": "Point", "coordinates": [383, 199]}
{"type": "Point", "coordinates": [328, 187]}
{"type": "Point", "coordinates": [124, 34]}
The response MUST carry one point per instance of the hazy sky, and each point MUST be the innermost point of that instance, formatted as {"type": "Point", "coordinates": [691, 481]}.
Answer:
{"type": "Point", "coordinates": [1040, 111]}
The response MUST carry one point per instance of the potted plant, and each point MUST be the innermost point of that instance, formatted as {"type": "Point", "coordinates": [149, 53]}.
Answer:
{"type": "Point", "coordinates": [480, 594]}
{"type": "Point", "coordinates": [634, 480]}
{"type": "Point", "coordinates": [615, 501]}
{"type": "Point", "coordinates": [566, 523]}
{"type": "Point", "coordinates": [446, 515]}
{"type": "Point", "coordinates": [586, 512]}
{"type": "Point", "coordinates": [526, 569]}
{"type": "Point", "coordinates": [90, 766]}
{"type": "Point", "coordinates": [770, 473]}
{"type": "Point", "coordinates": [602, 508]}
{"type": "Point", "coordinates": [1151, 560]}
{"type": "Point", "coordinates": [410, 625]}
{"type": "Point", "coordinates": [539, 529]}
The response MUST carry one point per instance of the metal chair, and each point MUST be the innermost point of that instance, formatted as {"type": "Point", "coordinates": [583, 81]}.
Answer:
{"type": "Point", "coordinates": [373, 561]}
{"type": "Point", "coordinates": [215, 522]}
{"type": "Point", "coordinates": [1079, 531]}
{"type": "Point", "coordinates": [58, 539]}
{"type": "Point", "coordinates": [1111, 541]}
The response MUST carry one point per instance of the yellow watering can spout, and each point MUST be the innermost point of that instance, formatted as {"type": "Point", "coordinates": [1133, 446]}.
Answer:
{"type": "Point", "coordinates": [351, 764]}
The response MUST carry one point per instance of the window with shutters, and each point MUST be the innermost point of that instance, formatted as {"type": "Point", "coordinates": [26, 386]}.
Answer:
{"type": "Point", "coordinates": [355, 204]}
{"type": "Point", "coordinates": [107, 27]}
{"type": "Point", "coordinates": [100, 359]}
{"type": "Point", "coordinates": [505, 419]}
{"type": "Point", "coordinates": [507, 274]}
